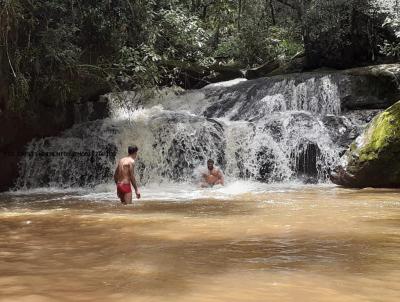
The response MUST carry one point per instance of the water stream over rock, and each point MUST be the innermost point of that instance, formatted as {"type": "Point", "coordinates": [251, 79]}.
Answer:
{"type": "Point", "coordinates": [271, 130]}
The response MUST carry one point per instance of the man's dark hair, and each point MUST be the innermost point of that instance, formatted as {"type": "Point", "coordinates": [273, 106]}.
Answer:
{"type": "Point", "coordinates": [210, 161]}
{"type": "Point", "coordinates": [132, 149]}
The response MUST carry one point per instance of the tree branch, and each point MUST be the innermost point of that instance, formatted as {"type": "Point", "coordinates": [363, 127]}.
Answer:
{"type": "Point", "coordinates": [287, 3]}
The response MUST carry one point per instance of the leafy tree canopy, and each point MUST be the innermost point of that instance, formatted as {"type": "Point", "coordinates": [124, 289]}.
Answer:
{"type": "Point", "coordinates": [55, 49]}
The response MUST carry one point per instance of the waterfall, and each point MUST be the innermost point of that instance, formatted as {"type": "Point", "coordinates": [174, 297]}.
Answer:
{"type": "Point", "coordinates": [270, 130]}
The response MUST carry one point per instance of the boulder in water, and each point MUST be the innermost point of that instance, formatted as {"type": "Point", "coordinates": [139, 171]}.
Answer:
{"type": "Point", "coordinates": [373, 159]}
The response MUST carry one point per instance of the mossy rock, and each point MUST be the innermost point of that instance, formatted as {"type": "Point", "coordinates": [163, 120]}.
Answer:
{"type": "Point", "coordinates": [373, 159]}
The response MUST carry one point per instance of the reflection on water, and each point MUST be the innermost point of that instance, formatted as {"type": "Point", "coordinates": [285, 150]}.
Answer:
{"type": "Point", "coordinates": [293, 243]}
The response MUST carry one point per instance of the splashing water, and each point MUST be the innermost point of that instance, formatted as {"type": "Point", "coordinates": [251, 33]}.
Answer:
{"type": "Point", "coordinates": [270, 130]}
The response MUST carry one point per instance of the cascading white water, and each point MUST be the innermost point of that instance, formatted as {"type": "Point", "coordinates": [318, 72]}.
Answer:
{"type": "Point", "coordinates": [268, 130]}
{"type": "Point", "coordinates": [172, 145]}
{"type": "Point", "coordinates": [82, 156]}
{"type": "Point", "coordinates": [257, 99]}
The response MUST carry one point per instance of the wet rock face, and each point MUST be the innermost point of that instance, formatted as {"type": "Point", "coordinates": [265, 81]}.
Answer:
{"type": "Point", "coordinates": [176, 145]}
{"type": "Point", "coordinates": [306, 160]}
{"type": "Point", "coordinates": [321, 93]}
{"type": "Point", "coordinates": [344, 129]}
{"type": "Point", "coordinates": [16, 130]}
{"type": "Point", "coordinates": [171, 146]}
{"type": "Point", "coordinates": [270, 129]}
{"type": "Point", "coordinates": [372, 87]}
{"type": "Point", "coordinates": [289, 145]}
{"type": "Point", "coordinates": [373, 159]}
{"type": "Point", "coordinates": [78, 157]}
{"type": "Point", "coordinates": [91, 111]}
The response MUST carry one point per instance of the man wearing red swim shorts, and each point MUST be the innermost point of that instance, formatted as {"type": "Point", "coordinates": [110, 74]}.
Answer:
{"type": "Point", "coordinates": [124, 176]}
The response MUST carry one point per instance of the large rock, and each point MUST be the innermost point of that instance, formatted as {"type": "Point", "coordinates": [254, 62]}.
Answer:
{"type": "Point", "coordinates": [333, 92]}
{"type": "Point", "coordinates": [263, 70]}
{"type": "Point", "coordinates": [373, 87]}
{"type": "Point", "coordinates": [373, 159]}
{"type": "Point", "coordinates": [344, 129]}
{"type": "Point", "coordinates": [44, 116]}
{"type": "Point", "coordinates": [194, 76]}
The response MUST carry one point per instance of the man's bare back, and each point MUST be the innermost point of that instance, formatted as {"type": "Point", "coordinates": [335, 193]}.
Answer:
{"type": "Point", "coordinates": [125, 169]}
{"type": "Point", "coordinates": [124, 176]}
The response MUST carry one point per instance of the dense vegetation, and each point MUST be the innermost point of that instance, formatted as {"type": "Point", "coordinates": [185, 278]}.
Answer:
{"type": "Point", "coordinates": [53, 50]}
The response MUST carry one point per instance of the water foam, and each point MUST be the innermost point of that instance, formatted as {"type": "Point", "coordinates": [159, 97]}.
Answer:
{"type": "Point", "coordinates": [266, 130]}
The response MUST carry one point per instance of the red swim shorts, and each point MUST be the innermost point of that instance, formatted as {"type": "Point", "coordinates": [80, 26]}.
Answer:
{"type": "Point", "coordinates": [124, 188]}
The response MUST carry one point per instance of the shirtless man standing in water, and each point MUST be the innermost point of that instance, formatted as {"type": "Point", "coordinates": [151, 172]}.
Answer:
{"type": "Point", "coordinates": [124, 176]}
{"type": "Point", "coordinates": [213, 176]}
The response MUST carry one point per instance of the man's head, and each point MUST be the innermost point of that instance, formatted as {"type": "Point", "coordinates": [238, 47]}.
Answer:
{"type": "Point", "coordinates": [210, 164]}
{"type": "Point", "coordinates": [132, 151]}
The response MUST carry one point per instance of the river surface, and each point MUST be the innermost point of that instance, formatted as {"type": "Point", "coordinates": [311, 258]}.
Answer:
{"type": "Point", "coordinates": [243, 242]}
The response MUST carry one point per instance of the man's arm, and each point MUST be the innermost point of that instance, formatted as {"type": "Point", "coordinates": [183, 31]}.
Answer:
{"type": "Point", "coordinates": [221, 177]}
{"type": "Point", "coordinates": [116, 173]}
{"type": "Point", "coordinates": [133, 180]}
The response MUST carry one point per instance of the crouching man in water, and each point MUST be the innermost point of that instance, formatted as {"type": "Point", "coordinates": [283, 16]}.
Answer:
{"type": "Point", "coordinates": [213, 176]}
{"type": "Point", "coordinates": [124, 176]}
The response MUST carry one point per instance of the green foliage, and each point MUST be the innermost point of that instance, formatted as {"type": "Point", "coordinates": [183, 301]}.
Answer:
{"type": "Point", "coordinates": [19, 93]}
{"type": "Point", "coordinates": [343, 33]}
{"type": "Point", "coordinates": [181, 36]}
{"type": "Point", "coordinates": [50, 46]}
{"type": "Point", "coordinates": [137, 67]}
{"type": "Point", "coordinates": [258, 47]}
{"type": "Point", "coordinates": [392, 22]}
{"type": "Point", "coordinates": [390, 49]}
{"type": "Point", "coordinates": [332, 18]}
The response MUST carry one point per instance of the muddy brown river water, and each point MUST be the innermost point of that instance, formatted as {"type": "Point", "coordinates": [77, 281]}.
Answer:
{"type": "Point", "coordinates": [272, 243]}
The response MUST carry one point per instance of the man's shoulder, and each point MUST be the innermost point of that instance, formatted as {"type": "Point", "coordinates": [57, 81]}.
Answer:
{"type": "Point", "coordinates": [127, 158]}
{"type": "Point", "coordinates": [126, 161]}
{"type": "Point", "coordinates": [216, 170]}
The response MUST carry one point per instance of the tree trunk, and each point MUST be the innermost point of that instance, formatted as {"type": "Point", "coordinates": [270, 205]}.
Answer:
{"type": "Point", "coordinates": [204, 12]}
{"type": "Point", "coordinates": [301, 13]}
{"type": "Point", "coordinates": [272, 10]}
{"type": "Point", "coordinates": [216, 37]}
{"type": "Point", "coordinates": [239, 14]}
